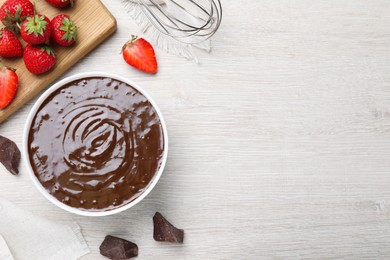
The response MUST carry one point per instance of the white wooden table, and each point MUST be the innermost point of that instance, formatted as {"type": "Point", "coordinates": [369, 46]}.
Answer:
{"type": "Point", "coordinates": [279, 140]}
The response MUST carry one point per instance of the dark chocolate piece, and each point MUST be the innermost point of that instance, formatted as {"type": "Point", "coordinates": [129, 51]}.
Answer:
{"type": "Point", "coordinates": [9, 155]}
{"type": "Point", "coordinates": [117, 248]}
{"type": "Point", "coordinates": [165, 231]}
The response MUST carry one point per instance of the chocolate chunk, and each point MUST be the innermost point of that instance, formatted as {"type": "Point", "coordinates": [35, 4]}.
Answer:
{"type": "Point", "coordinates": [117, 248]}
{"type": "Point", "coordinates": [9, 155]}
{"type": "Point", "coordinates": [165, 231]}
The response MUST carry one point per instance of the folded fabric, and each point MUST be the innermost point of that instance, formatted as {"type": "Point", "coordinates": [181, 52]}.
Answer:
{"type": "Point", "coordinates": [5, 254]}
{"type": "Point", "coordinates": [27, 236]}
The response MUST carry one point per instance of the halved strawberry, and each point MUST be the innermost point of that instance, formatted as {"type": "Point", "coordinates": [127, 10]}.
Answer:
{"type": "Point", "coordinates": [64, 31]}
{"type": "Point", "coordinates": [8, 85]}
{"type": "Point", "coordinates": [140, 54]}
{"type": "Point", "coordinates": [10, 46]}
{"type": "Point", "coordinates": [14, 12]}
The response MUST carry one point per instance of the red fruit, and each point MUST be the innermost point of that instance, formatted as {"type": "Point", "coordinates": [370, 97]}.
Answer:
{"type": "Point", "coordinates": [64, 30]}
{"type": "Point", "coordinates": [60, 3]}
{"type": "Point", "coordinates": [39, 59]}
{"type": "Point", "coordinates": [36, 29]}
{"type": "Point", "coordinates": [14, 12]}
{"type": "Point", "coordinates": [140, 54]}
{"type": "Point", "coordinates": [8, 85]}
{"type": "Point", "coordinates": [10, 46]}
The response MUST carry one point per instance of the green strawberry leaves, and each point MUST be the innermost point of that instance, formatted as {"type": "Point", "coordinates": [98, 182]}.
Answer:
{"type": "Point", "coordinates": [70, 30]}
{"type": "Point", "coordinates": [12, 21]}
{"type": "Point", "coordinates": [48, 50]}
{"type": "Point", "coordinates": [36, 25]}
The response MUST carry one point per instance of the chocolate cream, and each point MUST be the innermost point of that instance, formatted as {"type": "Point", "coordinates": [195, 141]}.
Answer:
{"type": "Point", "coordinates": [95, 144]}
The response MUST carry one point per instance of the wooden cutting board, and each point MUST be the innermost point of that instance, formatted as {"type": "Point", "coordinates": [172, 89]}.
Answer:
{"type": "Point", "coordinates": [95, 24]}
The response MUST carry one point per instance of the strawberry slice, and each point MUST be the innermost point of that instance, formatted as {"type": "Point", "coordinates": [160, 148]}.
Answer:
{"type": "Point", "coordinates": [140, 54]}
{"type": "Point", "coordinates": [8, 85]}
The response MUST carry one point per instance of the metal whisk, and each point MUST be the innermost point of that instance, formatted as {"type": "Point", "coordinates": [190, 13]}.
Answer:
{"type": "Point", "coordinates": [187, 21]}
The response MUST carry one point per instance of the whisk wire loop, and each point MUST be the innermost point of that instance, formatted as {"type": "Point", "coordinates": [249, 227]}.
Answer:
{"type": "Point", "coordinates": [191, 22]}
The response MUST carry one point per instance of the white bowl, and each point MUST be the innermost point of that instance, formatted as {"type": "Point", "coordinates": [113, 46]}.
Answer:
{"type": "Point", "coordinates": [26, 156]}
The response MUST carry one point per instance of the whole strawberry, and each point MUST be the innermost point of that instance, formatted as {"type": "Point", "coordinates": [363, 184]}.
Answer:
{"type": "Point", "coordinates": [140, 54]}
{"type": "Point", "coordinates": [36, 29]}
{"type": "Point", "coordinates": [64, 30]}
{"type": "Point", "coordinates": [14, 12]}
{"type": "Point", "coordinates": [10, 46]}
{"type": "Point", "coordinates": [61, 3]}
{"type": "Point", "coordinates": [8, 85]}
{"type": "Point", "coordinates": [39, 59]}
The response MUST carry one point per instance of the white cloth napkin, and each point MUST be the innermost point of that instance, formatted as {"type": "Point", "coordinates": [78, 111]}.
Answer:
{"type": "Point", "coordinates": [159, 39]}
{"type": "Point", "coordinates": [5, 254]}
{"type": "Point", "coordinates": [29, 237]}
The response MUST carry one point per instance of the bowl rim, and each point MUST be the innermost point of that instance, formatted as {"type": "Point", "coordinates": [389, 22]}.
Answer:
{"type": "Point", "coordinates": [26, 157]}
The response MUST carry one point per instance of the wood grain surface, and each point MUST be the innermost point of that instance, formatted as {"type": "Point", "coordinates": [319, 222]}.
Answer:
{"type": "Point", "coordinates": [95, 24]}
{"type": "Point", "coordinates": [279, 139]}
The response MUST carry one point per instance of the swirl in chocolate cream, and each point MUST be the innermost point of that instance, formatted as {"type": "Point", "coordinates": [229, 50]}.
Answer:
{"type": "Point", "coordinates": [96, 144]}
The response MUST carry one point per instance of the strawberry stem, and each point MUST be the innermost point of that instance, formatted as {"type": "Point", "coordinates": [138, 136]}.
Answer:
{"type": "Point", "coordinates": [35, 14]}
